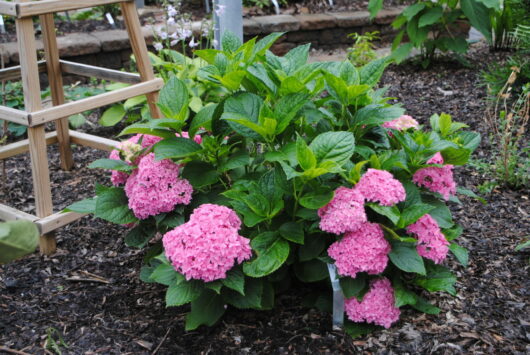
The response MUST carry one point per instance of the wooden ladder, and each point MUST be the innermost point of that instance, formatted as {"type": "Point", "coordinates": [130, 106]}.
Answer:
{"type": "Point", "coordinates": [35, 116]}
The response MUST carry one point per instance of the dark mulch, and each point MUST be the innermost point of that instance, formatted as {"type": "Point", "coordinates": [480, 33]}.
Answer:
{"type": "Point", "coordinates": [489, 315]}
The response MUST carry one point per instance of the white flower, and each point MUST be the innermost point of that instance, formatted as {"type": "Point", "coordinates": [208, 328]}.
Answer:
{"type": "Point", "coordinates": [192, 43]}
{"type": "Point", "coordinates": [175, 42]}
{"type": "Point", "coordinates": [171, 11]}
{"type": "Point", "coordinates": [171, 21]}
{"type": "Point", "coordinates": [158, 46]}
{"type": "Point", "coordinates": [220, 10]}
{"type": "Point", "coordinates": [162, 34]}
{"type": "Point", "coordinates": [215, 42]}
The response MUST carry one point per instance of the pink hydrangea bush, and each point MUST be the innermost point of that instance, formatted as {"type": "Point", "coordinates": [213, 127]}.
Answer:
{"type": "Point", "coordinates": [432, 244]}
{"type": "Point", "coordinates": [377, 307]}
{"type": "Point", "coordinates": [402, 123]}
{"type": "Point", "coordinates": [155, 187]}
{"type": "Point", "coordinates": [380, 186]}
{"type": "Point", "coordinates": [208, 245]}
{"type": "Point", "coordinates": [344, 213]}
{"type": "Point", "coordinates": [363, 250]}
{"type": "Point", "coordinates": [436, 179]}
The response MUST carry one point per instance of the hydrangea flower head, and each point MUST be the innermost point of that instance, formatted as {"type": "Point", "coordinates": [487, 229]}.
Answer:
{"type": "Point", "coordinates": [377, 306]}
{"type": "Point", "coordinates": [206, 248]}
{"type": "Point", "coordinates": [436, 159]}
{"type": "Point", "coordinates": [344, 213]}
{"type": "Point", "coordinates": [155, 187]}
{"type": "Point", "coordinates": [402, 123]}
{"type": "Point", "coordinates": [380, 186]}
{"type": "Point", "coordinates": [436, 179]}
{"type": "Point", "coordinates": [364, 250]}
{"type": "Point", "coordinates": [432, 244]}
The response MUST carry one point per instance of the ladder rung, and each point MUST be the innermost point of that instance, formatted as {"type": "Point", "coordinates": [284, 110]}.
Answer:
{"type": "Point", "coordinates": [35, 8]}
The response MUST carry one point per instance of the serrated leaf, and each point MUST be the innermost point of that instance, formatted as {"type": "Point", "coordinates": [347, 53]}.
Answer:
{"type": "Point", "coordinates": [112, 205]}
{"type": "Point", "coordinates": [182, 293]}
{"type": "Point", "coordinates": [293, 232]}
{"type": "Point", "coordinates": [406, 258]}
{"type": "Point", "coordinates": [176, 148]}
{"type": "Point", "coordinates": [461, 253]}
{"type": "Point", "coordinates": [271, 250]}
{"type": "Point", "coordinates": [205, 310]}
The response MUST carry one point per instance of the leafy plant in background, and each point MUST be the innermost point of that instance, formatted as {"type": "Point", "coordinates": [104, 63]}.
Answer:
{"type": "Point", "coordinates": [17, 239]}
{"type": "Point", "coordinates": [261, 3]}
{"type": "Point", "coordinates": [298, 166]}
{"type": "Point", "coordinates": [435, 26]}
{"type": "Point", "coordinates": [505, 21]}
{"type": "Point", "coordinates": [363, 49]}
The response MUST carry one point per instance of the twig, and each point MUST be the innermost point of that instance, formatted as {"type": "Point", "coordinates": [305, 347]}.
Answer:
{"type": "Point", "coordinates": [12, 351]}
{"type": "Point", "coordinates": [87, 280]}
{"type": "Point", "coordinates": [162, 342]}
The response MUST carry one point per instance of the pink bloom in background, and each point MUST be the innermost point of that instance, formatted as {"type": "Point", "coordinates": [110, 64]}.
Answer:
{"type": "Point", "coordinates": [436, 179]}
{"type": "Point", "coordinates": [155, 187]}
{"type": "Point", "coordinates": [380, 186]}
{"type": "Point", "coordinates": [197, 138]}
{"type": "Point", "coordinates": [364, 250]}
{"type": "Point", "coordinates": [208, 245]}
{"type": "Point", "coordinates": [402, 123]}
{"type": "Point", "coordinates": [344, 213]}
{"type": "Point", "coordinates": [431, 241]}
{"type": "Point", "coordinates": [377, 306]}
{"type": "Point", "coordinates": [436, 159]}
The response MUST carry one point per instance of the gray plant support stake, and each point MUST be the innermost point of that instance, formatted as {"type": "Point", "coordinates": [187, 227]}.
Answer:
{"type": "Point", "coordinates": [338, 298]}
{"type": "Point", "coordinates": [228, 16]}
{"type": "Point", "coordinates": [140, 3]}
{"type": "Point", "coordinates": [276, 6]}
{"type": "Point", "coordinates": [2, 26]}
{"type": "Point", "coordinates": [207, 6]}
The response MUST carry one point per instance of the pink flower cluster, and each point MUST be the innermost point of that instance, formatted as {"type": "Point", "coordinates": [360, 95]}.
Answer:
{"type": "Point", "coordinates": [155, 187]}
{"type": "Point", "coordinates": [364, 250]}
{"type": "Point", "coordinates": [436, 179]}
{"type": "Point", "coordinates": [402, 123]}
{"type": "Point", "coordinates": [119, 177]}
{"type": "Point", "coordinates": [431, 241]}
{"type": "Point", "coordinates": [344, 213]}
{"type": "Point", "coordinates": [208, 245]}
{"type": "Point", "coordinates": [377, 307]}
{"type": "Point", "coordinates": [380, 186]}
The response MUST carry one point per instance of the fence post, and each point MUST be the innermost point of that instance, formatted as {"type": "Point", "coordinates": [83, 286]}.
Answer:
{"type": "Point", "coordinates": [228, 16]}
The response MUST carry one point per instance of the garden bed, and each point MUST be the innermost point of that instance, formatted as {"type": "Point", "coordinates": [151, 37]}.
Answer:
{"type": "Point", "coordinates": [90, 292]}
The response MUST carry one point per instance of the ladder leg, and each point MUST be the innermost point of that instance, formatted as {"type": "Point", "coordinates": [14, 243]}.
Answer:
{"type": "Point", "coordinates": [37, 140]}
{"type": "Point", "coordinates": [139, 48]}
{"type": "Point", "coordinates": [55, 78]}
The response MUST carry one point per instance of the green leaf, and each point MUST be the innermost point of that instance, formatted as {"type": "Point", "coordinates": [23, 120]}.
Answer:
{"type": "Point", "coordinates": [139, 236]}
{"type": "Point", "coordinates": [315, 200]}
{"type": "Point", "coordinates": [424, 306]}
{"type": "Point", "coordinates": [235, 280]}
{"type": "Point", "coordinates": [461, 253]}
{"type": "Point", "coordinates": [296, 58]}
{"type": "Point", "coordinates": [17, 239]}
{"type": "Point", "coordinates": [314, 246]}
{"type": "Point", "coordinates": [251, 298]}
{"type": "Point", "coordinates": [404, 296]}
{"type": "Point", "coordinates": [417, 35]}
{"type": "Point", "coordinates": [478, 15]}
{"type": "Point", "coordinates": [456, 156]}
{"type": "Point", "coordinates": [205, 310]}
{"type": "Point", "coordinates": [374, 6]}
{"type": "Point", "coordinates": [293, 232]}
{"type": "Point", "coordinates": [271, 250]}
{"type": "Point", "coordinates": [391, 212]}
{"type": "Point", "coordinates": [76, 121]}
{"type": "Point", "coordinates": [441, 214]}
{"type": "Point", "coordinates": [243, 106]}
{"type": "Point", "coordinates": [353, 287]}
{"type": "Point", "coordinates": [112, 115]}
{"type": "Point", "coordinates": [402, 52]}
{"type": "Point", "coordinates": [311, 271]}
{"type": "Point", "coordinates": [239, 159]}
{"type": "Point", "coordinates": [200, 174]}
{"type": "Point", "coordinates": [266, 42]}
{"type": "Point", "coordinates": [174, 99]}
{"type": "Point", "coordinates": [522, 246]}
{"type": "Point", "coordinates": [335, 146]}
{"type": "Point", "coordinates": [165, 274]}
{"type": "Point", "coordinates": [176, 147]}
{"type": "Point", "coordinates": [134, 101]}
{"type": "Point", "coordinates": [203, 118]}
{"type": "Point", "coordinates": [111, 164]}
{"type": "Point", "coordinates": [371, 72]}
{"type": "Point", "coordinates": [230, 42]}
{"type": "Point", "coordinates": [182, 293]}
{"type": "Point", "coordinates": [287, 108]}
{"type": "Point", "coordinates": [406, 258]}
{"type": "Point", "coordinates": [376, 115]}
{"type": "Point", "coordinates": [84, 206]}
{"type": "Point", "coordinates": [337, 88]}
{"type": "Point", "coordinates": [438, 278]}
{"type": "Point", "coordinates": [356, 330]}
{"type": "Point", "coordinates": [413, 10]}
{"type": "Point", "coordinates": [112, 205]}
{"type": "Point", "coordinates": [430, 16]}
{"type": "Point", "coordinates": [215, 286]}
{"type": "Point", "coordinates": [453, 233]}
{"type": "Point", "coordinates": [412, 213]}
{"type": "Point", "coordinates": [304, 155]}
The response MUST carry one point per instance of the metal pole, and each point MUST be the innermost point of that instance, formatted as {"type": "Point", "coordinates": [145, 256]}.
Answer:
{"type": "Point", "coordinates": [228, 16]}
{"type": "Point", "coordinates": [140, 3]}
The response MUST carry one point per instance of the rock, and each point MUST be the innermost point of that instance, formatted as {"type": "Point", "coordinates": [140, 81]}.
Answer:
{"type": "Point", "coordinates": [351, 19]}
{"type": "Point", "coordinates": [316, 21]}
{"type": "Point", "coordinates": [387, 16]}
{"type": "Point", "coordinates": [251, 27]}
{"type": "Point", "coordinates": [278, 23]}
{"type": "Point", "coordinates": [76, 44]}
{"type": "Point", "coordinates": [112, 40]}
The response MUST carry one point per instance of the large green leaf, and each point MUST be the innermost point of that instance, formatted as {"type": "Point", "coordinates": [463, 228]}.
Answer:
{"type": "Point", "coordinates": [112, 205]}
{"type": "Point", "coordinates": [271, 250]}
{"type": "Point", "coordinates": [200, 174]}
{"type": "Point", "coordinates": [235, 280]}
{"type": "Point", "coordinates": [84, 206]}
{"type": "Point", "coordinates": [412, 213]}
{"type": "Point", "coordinates": [430, 16]}
{"type": "Point", "coordinates": [112, 115]}
{"type": "Point", "coordinates": [391, 212]}
{"type": "Point", "coordinates": [334, 146]}
{"type": "Point", "coordinates": [293, 232]}
{"type": "Point", "coordinates": [182, 293]}
{"type": "Point", "coordinates": [353, 287]}
{"type": "Point", "coordinates": [205, 310]}
{"type": "Point", "coordinates": [176, 147]}
{"type": "Point", "coordinates": [139, 236]}
{"type": "Point", "coordinates": [165, 274]}
{"type": "Point", "coordinates": [111, 164]}
{"type": "Point", "coordinates": [376, 115]}
{"type": "Point", "coordinates": [311, 271]}
{"type": "Point", "coordinates": [17, 238]}
{"type": "Point", "coordinates": [315, 200]}
{"type": "Point", "coordinates": [371, 72]}
{"type": "Point", "coordinates": [460, 253]}
{"type": "Point", "coordinates": [174, 99]}
{"type": "Point", "coordinates": [244, 106]}
{"type": "Point", "coordinates": [251, 298]}
{"type": "Point", "coordinates": [438, 278]}
{"type": "Point", "coordinates": [374, 6]}
{"type": "Point", "coordinates": [478, 15]}
{"type": "Point", "coordinates": [406, 258]}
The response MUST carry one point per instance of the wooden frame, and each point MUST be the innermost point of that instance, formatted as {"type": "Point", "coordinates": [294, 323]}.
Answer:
{"type": "Point", "coordinates": [35, 116]}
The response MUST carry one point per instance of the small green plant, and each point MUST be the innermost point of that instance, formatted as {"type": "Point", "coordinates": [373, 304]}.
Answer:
{"type": "Point", "coordinates": [54, 341]}
{"type": "Point", "coordinates": [495, 77]}
{"type": "Point", "coordinates": [261, 3]}
{"type": "Point", "coordinates": [363, 49]}
{"type": "Point", "coordinates": [524, 245]}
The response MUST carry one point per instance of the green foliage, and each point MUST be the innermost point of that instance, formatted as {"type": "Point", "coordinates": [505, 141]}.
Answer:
{"type": "Point", "coordinates": [362, 51]}
{"type": "Point", "coordinates": [17, 238]}
{"type": "Point", "coordinates": [282, 137]}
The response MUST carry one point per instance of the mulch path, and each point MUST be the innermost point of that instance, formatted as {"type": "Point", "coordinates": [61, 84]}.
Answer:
{"type": "Point", "coordinates": [90, 292]}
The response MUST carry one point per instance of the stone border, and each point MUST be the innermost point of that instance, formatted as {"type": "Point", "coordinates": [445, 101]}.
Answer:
{"type": "Point", "coordinates": [111, 48]}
